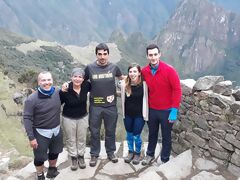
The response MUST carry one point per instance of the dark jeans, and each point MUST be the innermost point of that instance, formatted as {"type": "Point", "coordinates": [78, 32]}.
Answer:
{"type": "Point", "coordinates": [157, 117]}
{"type": "Point", "coordinates": [134, 128]}
{"type": "Point", "coordinates": [134, 125]}
{"type": "Point", "coordinates": [109, 116]}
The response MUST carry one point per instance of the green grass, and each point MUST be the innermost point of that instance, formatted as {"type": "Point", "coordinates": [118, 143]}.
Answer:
{"type": "Point", "coordinates": [12, 135]}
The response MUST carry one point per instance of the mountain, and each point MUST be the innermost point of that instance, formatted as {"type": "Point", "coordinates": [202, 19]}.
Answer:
{"type": "Point", "coordinates": [231, 5]}
{"type": "Point", "coordinates": [21, 63]}
{"type": "Point", "coordinates": [201, 38]}
{"type": "Point", "coordinates": [22, 57]}
{"type": "Point", "coordinates": [82, 21]}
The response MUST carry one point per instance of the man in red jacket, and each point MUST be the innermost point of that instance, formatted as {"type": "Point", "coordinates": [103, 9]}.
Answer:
{"type": "Point", "coordinates": [164, 100]}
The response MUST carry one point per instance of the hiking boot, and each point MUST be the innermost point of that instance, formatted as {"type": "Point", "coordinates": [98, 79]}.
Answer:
{"type": "Point", "coordinates": [129, 157]}
{"type": "Point", "coordinates": [74, 164]}
{"type": "Point", "coordinates": [93, 161]}
{"type": "Point", "coordinates": [113, 158]}
{"type": "Point", "coordinates": [136, 159]}
{"type": "Point", "coordinates": [41, 176]}
{"type": "Point", "coordinates": [147, 160]}
{"type": "Point", "coordinates": [52, 172]}
{"type": "Point", "coordinates": [81, 162]}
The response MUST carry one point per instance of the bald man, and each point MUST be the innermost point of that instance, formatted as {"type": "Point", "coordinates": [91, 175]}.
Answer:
{"type": "Point", "coordinates": [42, 123]}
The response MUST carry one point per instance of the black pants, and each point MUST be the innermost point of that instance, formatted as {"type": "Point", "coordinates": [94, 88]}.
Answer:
{"type": "Point", "coordinates": [109, 116]}
{"type": "Point", "coordinates": [157, 117]}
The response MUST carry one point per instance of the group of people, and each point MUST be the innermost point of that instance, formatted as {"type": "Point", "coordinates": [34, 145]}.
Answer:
{"type": "Point", "coordinates": [151, 94]}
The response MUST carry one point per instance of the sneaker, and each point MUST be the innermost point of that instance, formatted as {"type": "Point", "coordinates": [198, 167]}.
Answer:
{"type": "Point", "coordinates": [129, 157]}
{"type": "Point", "coordinates": [74, 164]}
{"type": "Point", "coordinates": [147, 160]}
{"type": "Point", "coordinates": [81, 162]}
{"type": "Point", "coordinates": [136, 159]}
{"type": "Point", "coordinates": [93, 161]}
{"type": "Point", "coordinates": [113, 158]}
{"type": "Point", "coordinates": [52, 172]}
{"type": "Point", "coordinates": [41, 176]}
{"type": "Point", "coordinates": [159, 163]}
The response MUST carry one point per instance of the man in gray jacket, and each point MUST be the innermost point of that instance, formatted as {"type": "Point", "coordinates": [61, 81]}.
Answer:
{"type": "Point", "coordinates": [42, 123]}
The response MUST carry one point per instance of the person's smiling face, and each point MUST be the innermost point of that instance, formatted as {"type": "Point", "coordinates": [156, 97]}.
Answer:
{"type": "Point", "coordinates": [45, 81]}
{"type": "Point", "coordinates": [134, 74]}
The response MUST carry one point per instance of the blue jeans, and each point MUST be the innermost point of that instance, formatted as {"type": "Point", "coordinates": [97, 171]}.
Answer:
{"type": "Point", "coordinates": [134, 128]}
{"type": "Point", "coordinates": [157, 117]}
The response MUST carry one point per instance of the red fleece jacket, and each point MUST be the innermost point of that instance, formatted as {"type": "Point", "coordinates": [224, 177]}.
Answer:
{"type": "Point", "coordinates": [164, 87]}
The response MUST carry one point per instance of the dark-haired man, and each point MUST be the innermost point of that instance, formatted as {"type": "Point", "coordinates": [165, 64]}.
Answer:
{"type": "Point", "coordinates": [164, 100]}
{"type": "Point", "coordinates": [101, 74]}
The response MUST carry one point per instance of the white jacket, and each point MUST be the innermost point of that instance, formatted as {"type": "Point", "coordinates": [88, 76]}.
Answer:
{"type": "Point", "coordinates": [145, 108]}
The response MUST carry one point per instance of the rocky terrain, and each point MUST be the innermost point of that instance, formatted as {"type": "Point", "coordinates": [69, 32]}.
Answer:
{"type": "Point", "coordinates": [187, 165]}
{"type": "Point", "coordinates": [205, 142]}
{"type": "Point", "coordinates": [201, 38]}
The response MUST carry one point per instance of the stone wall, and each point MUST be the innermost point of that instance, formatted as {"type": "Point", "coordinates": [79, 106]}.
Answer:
{"type": "Point", "coordinates": [209, 121]}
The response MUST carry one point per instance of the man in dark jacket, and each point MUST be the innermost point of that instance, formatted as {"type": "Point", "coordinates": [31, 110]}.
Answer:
{"type": "Point", "coordinates": [42, 123]}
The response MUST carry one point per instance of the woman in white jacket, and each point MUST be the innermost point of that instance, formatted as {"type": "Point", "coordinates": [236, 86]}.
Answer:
{"type": "Point", "coordinates": [134, 95]}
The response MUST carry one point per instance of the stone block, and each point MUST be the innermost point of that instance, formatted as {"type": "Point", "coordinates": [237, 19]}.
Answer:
{"type": "Point", "coordinates": [204, 164]}
{"type": "Point", "coordinates": [179, 167]}
{"type": "Point", "coordinates": [195, 139]}
{"type": "Point", "coordinates": [226, 145]}
{"type": "Point", "coordinates": [215, 109]}
{"type": "Point", "coordinates": [224, 88]}
{"type": "Point", "coordinates": [209, 116]}
{"type": "Point", "coordinates": [203, 134]}
{"type": "Point", "coordinates": [187, 86]}
{"type": "Point", "coordinates": [232, 140]}
{"type": "Point", "coordinates": [218, 133]}
{"type": "Point", "coordinates": [235, 159]}
{"type": "Point", "coordinates": [207, 175]}
{"type": "Point", "coordinates": [238, 136]}
{"type": "Point", "coordinates": [201, 122]}
{"type": "Point", "coordinates": [204, 105]}
{"type": "Point", "coordinates": [223, 125]}
{"type": "Point", "coordinates": [4, 161]}
{"type": "Point", "coordinates": [178, 148]}
{"type": "Point", "coordinates": [215, 145]}
{"type": "Point", "coordinates": [217, 100]}
{"type": "Point", "coordinates": [236, 94]}
{"type": "Point", "coordinates": [207, 82]}
{"type": "Point", "coordinates": [235, 107]}
{"type": "Point", "coordinates": [234, 169]}
{"type": "Point", "coordinates": [186, 124]}
{"type": "Point", "coordinates": [219, 154]}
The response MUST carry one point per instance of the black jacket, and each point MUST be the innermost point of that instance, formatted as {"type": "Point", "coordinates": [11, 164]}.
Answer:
{"type": "Point", "coordinates": [75, 105]}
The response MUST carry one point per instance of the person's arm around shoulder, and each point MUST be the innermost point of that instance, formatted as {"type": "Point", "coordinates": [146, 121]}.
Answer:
{"type": "Point", "coordinates": [122, 77]}
{"type": "Point", "coordinates": [65, 87]}
{"type": "Point", "coordinates": [87, 73]}
{"type": "Point", "coordinates": [120, 86]}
